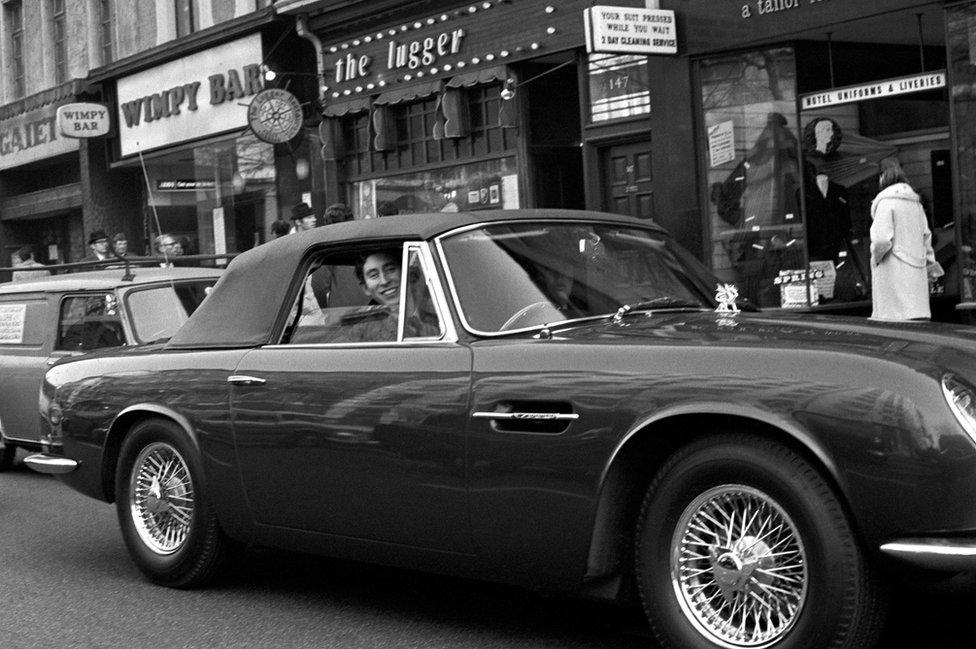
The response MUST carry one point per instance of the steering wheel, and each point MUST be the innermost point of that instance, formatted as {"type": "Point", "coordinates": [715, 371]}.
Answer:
{"type": "Point", "coordinates": [532, 314]}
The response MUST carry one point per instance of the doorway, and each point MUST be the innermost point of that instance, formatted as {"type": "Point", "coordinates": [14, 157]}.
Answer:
{"type": "Point", "coordinates": [627, 181]}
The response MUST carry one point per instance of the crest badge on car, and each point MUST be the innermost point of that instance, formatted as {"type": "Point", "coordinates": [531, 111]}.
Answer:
{"type": "Point", "coordinates": [725, 295]}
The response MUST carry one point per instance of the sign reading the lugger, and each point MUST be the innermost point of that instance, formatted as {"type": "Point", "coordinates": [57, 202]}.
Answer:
{"type": "Point", "coordinates": [626, 30]}
{"type": "Point", "coordinates": [83, 120]}
{"type": "Point", "coordinates": [199, 95]}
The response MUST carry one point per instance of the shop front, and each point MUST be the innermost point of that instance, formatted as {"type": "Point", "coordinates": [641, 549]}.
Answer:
{"type": "Point", "coordinates": [40, 189]}
{"type": "Point", "coordinates": [486, 105]}
{"type": "Point", "coordinates": [798, 106]}
{"type": "Point", "coordinates": [209, 173]}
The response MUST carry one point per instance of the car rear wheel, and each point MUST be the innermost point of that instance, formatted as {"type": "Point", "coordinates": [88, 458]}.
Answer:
{"type": "Point", "coordinates": [167, 521]}
{"type": "Point", "coordinates": [741, 543]}
{"type": "Point", "coordinates": [8, 453]}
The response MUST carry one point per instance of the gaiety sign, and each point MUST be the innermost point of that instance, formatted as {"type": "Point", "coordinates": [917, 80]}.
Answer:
{"type": "Point", "coordinates": [199, 95]}
{"type": "Point", "coordinates": [32, 136]}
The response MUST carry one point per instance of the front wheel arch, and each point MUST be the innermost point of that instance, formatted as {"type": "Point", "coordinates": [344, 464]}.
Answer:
{"type": "Point", "coordinates": [638, 460]}
{"type": "Point", "coordinates": [731, 493]}
{"type": "Point", "coordinates": [121, 426]}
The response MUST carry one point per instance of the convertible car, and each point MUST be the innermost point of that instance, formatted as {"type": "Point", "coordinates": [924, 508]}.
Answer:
{"type": "Point", "coordinates": [564, 400]}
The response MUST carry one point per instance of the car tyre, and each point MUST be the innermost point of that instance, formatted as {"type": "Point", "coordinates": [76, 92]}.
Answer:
{"type": "Point", "coordinates": [742, 543]}
{"type": "Point", "coordinates": [167, 520]}
{"type": "Point", "coordinates": [8, 453]}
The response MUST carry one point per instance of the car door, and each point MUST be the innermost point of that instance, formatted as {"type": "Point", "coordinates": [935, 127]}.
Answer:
{"type": "Point", "coordinates": [359, 438]}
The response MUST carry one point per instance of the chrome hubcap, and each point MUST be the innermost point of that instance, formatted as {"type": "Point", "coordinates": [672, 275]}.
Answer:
{"type": "Point", "coordinates": [738, 567]}
{"type": "Point", "coordinates": [161, 498]}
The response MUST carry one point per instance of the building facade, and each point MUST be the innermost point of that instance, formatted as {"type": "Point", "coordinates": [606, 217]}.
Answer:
{"type": "Point", "coordinates": [56, 190]}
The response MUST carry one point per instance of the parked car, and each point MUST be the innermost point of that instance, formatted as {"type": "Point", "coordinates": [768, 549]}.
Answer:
{"type": "Point", "coordinates": [48, 318]}
{"type": "Point", "coordinates": [544, 397]}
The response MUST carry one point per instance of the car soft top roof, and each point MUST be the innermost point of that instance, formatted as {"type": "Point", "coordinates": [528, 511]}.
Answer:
{"type": "Point", "coordinates": [243, 308]}
{"type": "Point", "coordinates": [104, 280]}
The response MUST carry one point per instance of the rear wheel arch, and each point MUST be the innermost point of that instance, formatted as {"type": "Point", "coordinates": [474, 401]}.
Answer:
{"type": "Point", "coordinates": [122, 425]}
{"type": "Point", "coordinates": [645, 451]}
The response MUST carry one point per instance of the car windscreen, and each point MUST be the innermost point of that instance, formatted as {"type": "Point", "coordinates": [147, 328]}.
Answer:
{"type": "Point", "coordinates": [156, 312]}
{"type": "Point", "coordinates": [519, 275]}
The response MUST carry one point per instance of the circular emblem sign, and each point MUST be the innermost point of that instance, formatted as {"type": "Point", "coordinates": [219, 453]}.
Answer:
{"type": "Point", "coordinates": [275, 115]}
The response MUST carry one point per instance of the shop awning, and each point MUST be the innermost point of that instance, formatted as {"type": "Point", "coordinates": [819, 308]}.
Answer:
{"type": "Point", "coordinates": [345, 107]}
{"type": "Point", "coordinates": [485, 75]}
{"type": "Point", "coordinates": [408, 93]}
{"type": "Point", "coordinates": [42, 203]}
{"type": "Point", "coordinates": [855, 160]}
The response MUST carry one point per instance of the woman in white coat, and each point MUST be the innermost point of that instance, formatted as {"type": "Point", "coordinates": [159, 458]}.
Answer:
{"type": "Point", "coordinates": [901, 250]}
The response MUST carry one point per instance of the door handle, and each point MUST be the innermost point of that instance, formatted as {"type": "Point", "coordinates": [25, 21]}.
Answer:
{"type": "Point", "coordinates": [531, 416]}
{"type": "Point", "coordinates": [244, 379]}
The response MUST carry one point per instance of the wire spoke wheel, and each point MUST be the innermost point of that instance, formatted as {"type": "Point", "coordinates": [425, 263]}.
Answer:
{"type": "Point", "coordinates": [738, 567]}
{"type": "Point", "coordinates": [161, 498]}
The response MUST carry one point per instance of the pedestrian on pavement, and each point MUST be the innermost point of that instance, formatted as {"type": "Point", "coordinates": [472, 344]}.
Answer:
{"type": "Point", "coordinates": [25, 259]}
{"type": "Point", "coordinates": [303, 218]}
{"type": "Point", "coordinates": [98, 244]}
{"type": "Point", "coordinates": [337, 213]}
{"type": "Point", "coordinates": [902, 259]}
{"type": "Point", "coordinates": [120, 245]}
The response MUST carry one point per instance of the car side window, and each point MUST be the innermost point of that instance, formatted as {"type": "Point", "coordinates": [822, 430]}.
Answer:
{"type": "Point", "coordinates": [88, 322]}
{"type": "Point", "coordinates": [355, 297]}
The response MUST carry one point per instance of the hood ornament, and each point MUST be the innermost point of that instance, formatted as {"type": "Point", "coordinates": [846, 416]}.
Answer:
{"type": "Point", "coordinates": [725, 295]}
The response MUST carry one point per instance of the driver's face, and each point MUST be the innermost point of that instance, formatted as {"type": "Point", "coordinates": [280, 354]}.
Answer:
{"type": "Point", "coordinates": [381, 278]}
{"type": "Point", "coordinates": [559, 284]}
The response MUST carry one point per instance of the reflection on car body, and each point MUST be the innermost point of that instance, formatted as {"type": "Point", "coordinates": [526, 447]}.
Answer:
{"type": "Point", "coordinates": [759, 477]}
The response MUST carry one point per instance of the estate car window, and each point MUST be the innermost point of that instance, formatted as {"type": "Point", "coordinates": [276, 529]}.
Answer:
{"type": "Point", "coordinates": [89, 322]}
{"type": "Point", "coordinates": [158, 311]}
{"type": "Point", "coordinates": [355, 297]}
{"type": "Point", "coordinates": [24, 322]}
{"type": "Point", "coordinates": [519, 275]}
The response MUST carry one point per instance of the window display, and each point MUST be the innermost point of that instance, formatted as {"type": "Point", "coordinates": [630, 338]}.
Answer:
{"type": "Point", "coordinates": [753, 175]}
{"type": "Point", "coordinates": [492, 184]}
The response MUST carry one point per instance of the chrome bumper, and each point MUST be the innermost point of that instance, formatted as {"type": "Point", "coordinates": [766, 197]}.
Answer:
{"type": "Point", "coordinates": [950, 555]}
{"type": "Point", "coordinates": [53, 464]}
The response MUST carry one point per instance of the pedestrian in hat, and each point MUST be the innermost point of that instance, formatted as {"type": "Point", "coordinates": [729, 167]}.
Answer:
{"type": "Point", "coordinates": [302, 218]}
{"type": "Point", "coordinates": [98, 244]}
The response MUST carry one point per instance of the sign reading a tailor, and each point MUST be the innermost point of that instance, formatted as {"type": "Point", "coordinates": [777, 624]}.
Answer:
{"type": "Point", "coordinates": [628, 30]}
{"type": "Point", "coordinates": [32, 136]}
{"type": "Point", "coordinates": [83, 120]}
{"type": "Point", "coordinates": [199, 95]}
{"type": "Point", "coordinates": [875, 90]}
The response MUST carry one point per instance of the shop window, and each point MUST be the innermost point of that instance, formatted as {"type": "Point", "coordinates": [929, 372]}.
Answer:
{"type": "Point", "coordinates": [753, 173]}
{"type": "Point", "coordinates": [415, 145]}
{"type": "Point", "coordinates": [491, 184]}
{"type": "Point", "coordinates": [961, 22]}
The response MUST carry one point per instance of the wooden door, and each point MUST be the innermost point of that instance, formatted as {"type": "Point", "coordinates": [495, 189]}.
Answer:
{"type": "Point", "coordinates": [627, 182]}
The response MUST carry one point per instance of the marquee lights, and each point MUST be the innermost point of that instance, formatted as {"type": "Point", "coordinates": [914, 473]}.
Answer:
{"type": "Point", "coordinates": [393, 31]}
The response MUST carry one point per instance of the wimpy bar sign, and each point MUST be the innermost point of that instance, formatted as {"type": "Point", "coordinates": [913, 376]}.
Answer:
{"type": "Point", "coordinates": [876, 90]}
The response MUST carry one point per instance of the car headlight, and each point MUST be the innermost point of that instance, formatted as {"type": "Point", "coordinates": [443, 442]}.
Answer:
{"type": "Point", "coordinates": [962, 401]}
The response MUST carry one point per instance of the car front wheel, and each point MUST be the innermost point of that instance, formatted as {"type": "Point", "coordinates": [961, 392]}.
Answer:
{"type": "Point", "coordinates": [742, 544]}
{"type": "Point", "coordinates": [167, 521]}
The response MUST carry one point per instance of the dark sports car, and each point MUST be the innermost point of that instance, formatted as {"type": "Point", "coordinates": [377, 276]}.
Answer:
{"type": "Point", "coordinates": [560, 399]}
